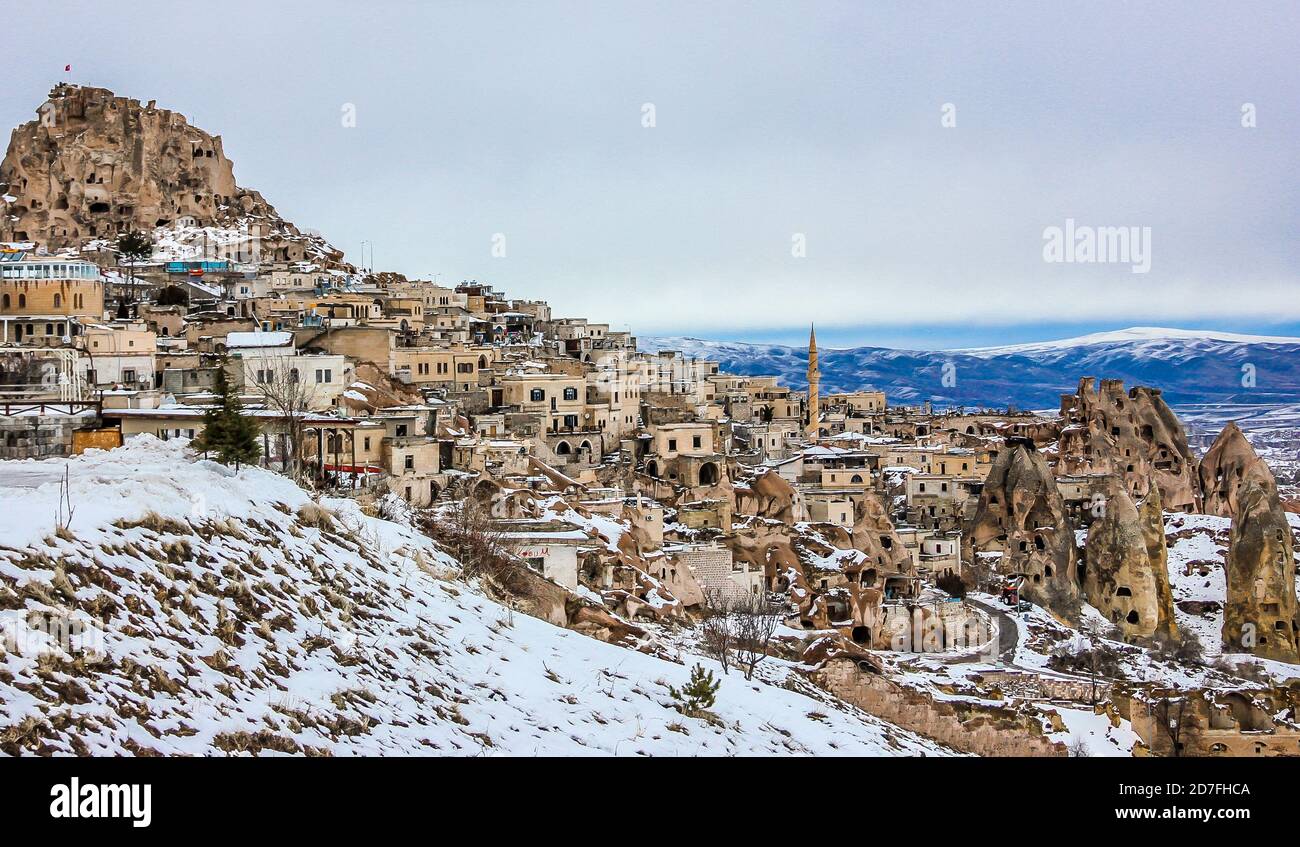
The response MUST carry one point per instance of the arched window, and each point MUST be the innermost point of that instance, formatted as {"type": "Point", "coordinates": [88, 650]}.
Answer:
{"type": "Point", "coordinates": [857, 477]}
{"type": "Point", "coordinates": [22, 301]}
{"type": "Point", "coordinates": [5, 301]}
{"type": "Point", "coordinates": [58, 301]}
{"type": "Point", "coordinates": [563, 449]}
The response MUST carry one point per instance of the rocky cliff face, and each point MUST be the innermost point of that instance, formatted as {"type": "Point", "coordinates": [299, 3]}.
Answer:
{"type": "Point", "coordinates": [1134, 436]}
{"type": "Point", "coordinates": [94, 165]}
{"type": "Point", "coordinates": [770, 496]}
{"type": "Point", "coordinates": [1022, 516]}
{"type": "Point", "coordinates": [1127, 577]}
{"type": "Point", "coordinates": [874, 534]}
{"type": "Point", "coordinates": [1260, 613]}
{"type": "Point", "coordinates": [1228, 466]}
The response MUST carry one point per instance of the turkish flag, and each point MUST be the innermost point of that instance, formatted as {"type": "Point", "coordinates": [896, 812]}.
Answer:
{"type": "Point", "coordinates": [67, 67]}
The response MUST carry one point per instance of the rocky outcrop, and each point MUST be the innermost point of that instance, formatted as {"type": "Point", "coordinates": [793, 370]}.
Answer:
{"type": "Point", "coordinates": [971, 726]}
{"type": "Point", "coordinates": [1259, 615]}
{"type": "Point", "coordinates": [374, 389]}
{"type": "Point", "coordinates": [1227, 467]}
{"type": "Point", "coordinates": [1127, 577]}
{"type": "Point", "coordinates": [94, 165]}
{"type": "Point", "coordinates": [874, 534]}
{"type": "Point", "coordinates": [829, 580]}
{"type": "Point", "coordinates": [1152, 515]}
{"type": "Point", "coordinates": [769, 495]}
{"type": "Point", "coordinates": [1134, 436]}
{"type": "Point", "coordinates": [1022, 516]}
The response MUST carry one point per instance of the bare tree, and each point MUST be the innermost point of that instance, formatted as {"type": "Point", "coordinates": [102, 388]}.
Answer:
{"type": "Point", "coordinates": [1176, 719]}
{"type": "Point", "coordinates": [1079, 748]}
{"type": "Point", "coordinates": [64, 509]}
{"type": "Point", "coordinates": [465, 529]}
{"type": "Point", "coordinates": [280, 384]}
{"type": "Point", "coordinates": [716, 634]}
{"type": "Point", "coordinates": [755, 620]}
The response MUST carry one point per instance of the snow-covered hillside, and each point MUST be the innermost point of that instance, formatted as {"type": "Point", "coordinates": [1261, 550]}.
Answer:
{"type": "Point", "coordinates": [240, 617]}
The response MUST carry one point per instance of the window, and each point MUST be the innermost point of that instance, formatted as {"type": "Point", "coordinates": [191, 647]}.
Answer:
{"type": "Point", "coordinates": [22, 301]}
{"type": "Point", "coordinates": [672, 444]}
{"type": "Point", "coordinates": [5, 301]}
{"type": "Point", "coordinates": [570, 394]}
{"type": "Point", "coordinates": [128, 375]}
{"type": "Point", "coordinates": [537, 395]}
{"type": "Point", "coordinates": [324, 375]}
{"type": "Point", "coordinates": [409, 462]}
{"type": "Point", "coordinates": [695, 442]}
{"type": "Point", "coordinates": [58, 300]}
{"type": "Point", "coordinates": [294, 376]}
{"type": "Point", "coordinates": [401, 430]}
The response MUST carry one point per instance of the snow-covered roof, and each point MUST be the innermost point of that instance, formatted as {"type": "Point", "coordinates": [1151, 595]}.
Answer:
{"type": "Point", "coordinates": [259, 339]}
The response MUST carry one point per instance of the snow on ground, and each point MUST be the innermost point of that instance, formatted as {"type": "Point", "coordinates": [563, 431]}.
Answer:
{"type": "Point", "coordinates": [1198, 549]}
{"type": "Point", "coordinates": [1198, 545]}
{"type": "Point", "coordinates": [1095, 733]}
{"type": "Point", "coordinates": [241, 617]}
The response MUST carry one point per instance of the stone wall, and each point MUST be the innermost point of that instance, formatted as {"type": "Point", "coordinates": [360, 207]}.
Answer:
{"type": "Point", "coordinates": [965, 726]}
{"type": "Point", "coordinates": [37, 436]}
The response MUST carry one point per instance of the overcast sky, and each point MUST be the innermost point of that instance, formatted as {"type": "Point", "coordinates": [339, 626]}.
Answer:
{"type": "Point", "coordinates": [771, 121]}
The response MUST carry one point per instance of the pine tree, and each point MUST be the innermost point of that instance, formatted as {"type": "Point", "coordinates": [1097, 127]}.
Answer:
{"type": "Point", "coordinates": [132, 246]}
{"type": "Point", "coordinates": [227, 431]}
{"type": "Point", "coordinates": [698, 695]}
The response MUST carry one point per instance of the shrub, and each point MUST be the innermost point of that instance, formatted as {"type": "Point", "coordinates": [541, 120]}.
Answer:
{"type": "Point", "coordinates": [1184, 648]}
{"type": "Point", "coordinates": [953, 584]}
{"type": "Point", "coordinates": [315, 515]}
{"type": "Point", "coordinates": [466, 531]}
{"type": "Point", "coordinates": [1100, 660]}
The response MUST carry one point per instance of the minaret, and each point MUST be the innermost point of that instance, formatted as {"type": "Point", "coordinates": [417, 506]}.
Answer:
{"type": "Point", "coordinates": [814, 380]}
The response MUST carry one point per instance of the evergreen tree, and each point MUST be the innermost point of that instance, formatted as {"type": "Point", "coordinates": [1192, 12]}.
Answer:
{"type": "Point", "coordinates": [173, 295]}
{"type": "Point", "coordinates": [698, 695]}
{"type": "Point", "coordinates": [227, 431]}
{"type": "Point", "coordinates": [132, 246]}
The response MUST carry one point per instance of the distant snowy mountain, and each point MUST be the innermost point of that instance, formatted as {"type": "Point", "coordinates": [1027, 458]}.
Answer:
{"type": "Point", "coordinates": [1191, 366]}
